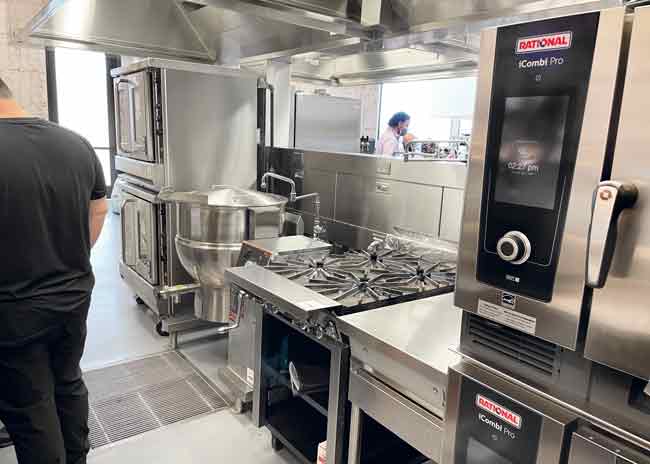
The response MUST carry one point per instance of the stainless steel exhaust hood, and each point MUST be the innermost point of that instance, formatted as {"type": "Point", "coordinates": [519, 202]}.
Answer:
{"type": "Point", "coordinates": [130, 27]}
{"type": "Point", "coordinates": [412, 16]}
{"type": "Point", "coordinates": [234, 32]}
{"type": "Point", "coordinates": [223, 31]}
{"type": "Point", "coordinates": [370, 67]}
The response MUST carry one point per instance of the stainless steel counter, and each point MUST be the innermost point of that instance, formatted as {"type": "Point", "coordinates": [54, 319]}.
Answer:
{"type": "Point", "coordinates": [408, 341]}
{"type": "Point", "coordinates": [280, 291]}
{"type": "Point", "coordinates": [398, 373]}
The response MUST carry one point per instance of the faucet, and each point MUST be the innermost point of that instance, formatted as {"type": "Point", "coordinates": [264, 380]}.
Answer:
{"type": "Point", "coordinates": [264, 184]}
{"type": "Point", "coordinates": [318, 228]}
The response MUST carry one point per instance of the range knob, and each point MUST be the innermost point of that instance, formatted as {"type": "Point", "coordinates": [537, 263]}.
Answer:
{"type": "Point", "coordinates": [514, 247]}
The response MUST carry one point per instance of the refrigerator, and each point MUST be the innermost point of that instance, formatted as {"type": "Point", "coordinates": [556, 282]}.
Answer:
{"type": "Point", "coordinates": [326, 123]}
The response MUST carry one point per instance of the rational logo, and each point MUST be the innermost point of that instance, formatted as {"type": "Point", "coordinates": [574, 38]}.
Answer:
{"type": "Point", "coordinates": [498, 411]}
{"type": "Point", "coordinates": [544, 43]}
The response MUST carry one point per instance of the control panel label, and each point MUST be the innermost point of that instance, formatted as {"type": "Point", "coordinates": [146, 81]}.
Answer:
{"type": "Point", "coordinates": [498, 411]}
{"type": "Point", "coordinates": [544, 43]}
{"type": "Point", "coordinates": [507, 317]}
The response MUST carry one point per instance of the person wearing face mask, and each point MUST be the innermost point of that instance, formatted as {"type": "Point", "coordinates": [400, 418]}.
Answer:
{"type": "Point", "coordinates": [391, 141]}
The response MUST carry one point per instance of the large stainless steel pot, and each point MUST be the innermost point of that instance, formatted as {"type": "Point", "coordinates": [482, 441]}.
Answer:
{"type": "Point", "coordinates": [211, 227]}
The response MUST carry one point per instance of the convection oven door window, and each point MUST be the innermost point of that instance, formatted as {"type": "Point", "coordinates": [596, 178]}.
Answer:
{"type": "Point", "coordinates": [146, 256]}
{"type": "Point", "coordinates": [134, 114]}
{"type": "Point", "coordinates": [140, 237]}
{"type": "Point", "coordinates": [123, 99]}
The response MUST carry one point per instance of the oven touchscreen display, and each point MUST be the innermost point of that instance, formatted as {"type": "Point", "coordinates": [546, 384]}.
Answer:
{"type": "Point", "coordinates": [478, 453]}
{"type": "Point", "coordinates": [532, 140]}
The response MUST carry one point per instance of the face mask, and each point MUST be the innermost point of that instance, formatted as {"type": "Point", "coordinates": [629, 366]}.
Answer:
{"type": "Point", "coordinates": [402, 132]}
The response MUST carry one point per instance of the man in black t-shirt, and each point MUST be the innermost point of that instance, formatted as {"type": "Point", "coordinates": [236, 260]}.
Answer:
{"type": "Point", "coordinates": [52, 208]}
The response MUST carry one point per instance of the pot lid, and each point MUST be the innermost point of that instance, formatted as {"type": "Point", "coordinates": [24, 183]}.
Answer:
{"type": "Point", "coordinates": [225, 196]}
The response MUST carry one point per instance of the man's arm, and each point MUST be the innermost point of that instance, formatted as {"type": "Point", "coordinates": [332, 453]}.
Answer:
{"type": "Point", "coordinates": [97, 212]}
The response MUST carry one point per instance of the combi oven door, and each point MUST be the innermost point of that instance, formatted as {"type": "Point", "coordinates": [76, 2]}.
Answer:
{"type": "Point", "coordinates": [619, 243]}
{"type": "Point", "coordinates": [139, 217]}
{"type": "Point", "coordinates": [491, 420]}
{"type": "Point", "coordinates": [134, 116]}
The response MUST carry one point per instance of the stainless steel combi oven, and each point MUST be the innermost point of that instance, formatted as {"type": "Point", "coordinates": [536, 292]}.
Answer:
{"type": "Point", "coordinates": [546, 95]}
{"type": "Point", "coordinates": [553, 262]}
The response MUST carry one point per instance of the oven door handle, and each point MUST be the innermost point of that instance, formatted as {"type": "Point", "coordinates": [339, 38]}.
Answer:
{"type": "Point", "coordinates": [610, 199]}
{"type": "Point", "coordinates": [123, 221]}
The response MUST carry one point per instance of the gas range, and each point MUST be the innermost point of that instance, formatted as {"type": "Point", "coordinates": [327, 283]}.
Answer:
{"type": "Point", "coordinates": [298, 295]}
{"type": "Point", "coordinates": [388, 272]}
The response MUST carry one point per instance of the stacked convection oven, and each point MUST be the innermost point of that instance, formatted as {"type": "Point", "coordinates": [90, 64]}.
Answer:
{"type": "Point", "coordinates": [183, 126]}
{"type": "Point", "coordinates": [555, 248]}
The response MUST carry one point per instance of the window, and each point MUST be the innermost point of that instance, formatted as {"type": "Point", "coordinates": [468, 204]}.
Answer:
{"type": "Point", "coordinates": [82, 99]}
{"type": "Point", "coordinates": [440, 109]}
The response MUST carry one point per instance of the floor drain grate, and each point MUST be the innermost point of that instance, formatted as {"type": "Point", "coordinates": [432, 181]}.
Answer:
{"type": "Point", "coordinates": [138, 396]}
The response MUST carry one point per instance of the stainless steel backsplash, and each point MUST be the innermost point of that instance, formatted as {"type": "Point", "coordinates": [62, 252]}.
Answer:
{"type": "Point", "coordinates": [365, 196]}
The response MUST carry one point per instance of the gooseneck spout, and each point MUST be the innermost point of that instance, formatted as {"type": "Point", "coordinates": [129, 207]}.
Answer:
{"type": "Point", "coordinates": [318, 227]}
{"type": "Point", "coordinates": [264, 183]}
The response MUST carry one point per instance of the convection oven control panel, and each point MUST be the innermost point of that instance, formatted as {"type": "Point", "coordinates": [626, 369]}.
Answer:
{"type": "Point", "coordinates": [542, 71]}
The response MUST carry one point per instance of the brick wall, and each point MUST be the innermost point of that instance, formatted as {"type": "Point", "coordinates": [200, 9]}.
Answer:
{"type": "Point", "coordinates": [22, 67]}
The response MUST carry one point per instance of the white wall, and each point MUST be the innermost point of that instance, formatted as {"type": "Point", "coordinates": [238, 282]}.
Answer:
{"type": "Point", "coordinates": [22, 68]}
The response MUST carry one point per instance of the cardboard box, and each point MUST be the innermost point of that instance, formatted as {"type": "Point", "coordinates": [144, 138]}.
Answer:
{"type": "Point", "coordinates": [322, 453]}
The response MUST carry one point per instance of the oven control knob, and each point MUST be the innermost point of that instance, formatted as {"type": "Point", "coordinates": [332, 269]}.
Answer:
{"type": "Point", "coordinates": [514, 247]}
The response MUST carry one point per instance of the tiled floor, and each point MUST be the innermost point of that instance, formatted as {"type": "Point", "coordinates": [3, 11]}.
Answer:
{"type": "Point", "coordinates": [118, 330]}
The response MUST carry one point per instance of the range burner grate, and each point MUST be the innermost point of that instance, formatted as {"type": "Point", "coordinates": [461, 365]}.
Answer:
{"type": "Point", "coordinates": [308, 267]}
{"type": "Point", "coordinates": [423, 274]}
{"type": "Point", "coordinates": [361, 288]}
{"type": "Point", "coordinates": [386, 271]}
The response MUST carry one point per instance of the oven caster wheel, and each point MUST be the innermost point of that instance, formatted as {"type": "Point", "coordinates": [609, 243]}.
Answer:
{"type": "Point", "coordinates": [139, 300]}
{"type": "Point", "coordinates": [238, 406]}
{"type": "Point", "coordinates": [276, 444]}
{"type": "Point", "coordinates": [160, 331]}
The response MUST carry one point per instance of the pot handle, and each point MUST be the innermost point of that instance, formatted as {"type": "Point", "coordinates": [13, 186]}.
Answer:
{"type": "Point", "coordinates": [239, 309]}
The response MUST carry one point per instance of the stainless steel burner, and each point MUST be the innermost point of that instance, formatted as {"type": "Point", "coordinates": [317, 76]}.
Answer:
{"type": "Point", "coordinates": [386, 271]}
{"type": "Point", "coordinates": [308, 267]}
{"type": "Point", "coordinates": [438, 275]}
{"type": "Point", "coordinates": [359, 288]}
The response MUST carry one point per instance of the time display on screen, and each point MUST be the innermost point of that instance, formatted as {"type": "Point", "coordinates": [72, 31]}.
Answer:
{"type": "Point", "coordinates": [530, 153]}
